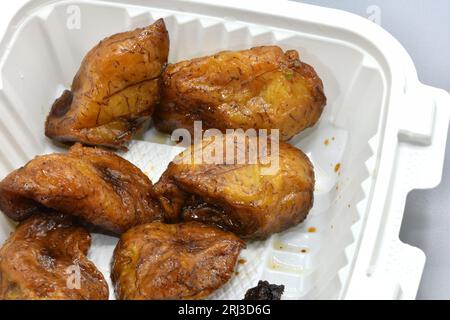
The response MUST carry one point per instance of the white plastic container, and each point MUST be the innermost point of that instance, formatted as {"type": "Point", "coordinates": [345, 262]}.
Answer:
{"type": "Point", "coordinates": [385, 129]}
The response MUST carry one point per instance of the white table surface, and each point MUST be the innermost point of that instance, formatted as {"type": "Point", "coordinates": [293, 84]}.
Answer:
{"type": "Point", "coordinates": [423, 27]}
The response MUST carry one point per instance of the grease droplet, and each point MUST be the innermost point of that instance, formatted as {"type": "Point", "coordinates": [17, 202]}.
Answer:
{"type": "Point", "coordinates": [337, 167]}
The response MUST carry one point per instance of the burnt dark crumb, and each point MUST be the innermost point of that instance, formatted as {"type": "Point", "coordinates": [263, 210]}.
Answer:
{"type": "Point", "coordinates": [264, 291]}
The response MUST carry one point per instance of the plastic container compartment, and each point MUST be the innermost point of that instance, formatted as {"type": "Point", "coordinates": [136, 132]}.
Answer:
{"type": "Point", "coordinates": [385, 129]}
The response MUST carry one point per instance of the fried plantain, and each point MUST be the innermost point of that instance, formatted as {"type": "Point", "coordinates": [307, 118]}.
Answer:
{"type": "Point", "coordinates": [115, 90]}
{"type": "Point", "coordinates": [96, 185]}
{"type": "Point", "coordinates": [259, 88]}
{"type": "Point", "coordinates": [45, 258]}
{"type": "Point", "coordinates": [238, 195]}
{"type": "Point", "coordinates": [173, 261]}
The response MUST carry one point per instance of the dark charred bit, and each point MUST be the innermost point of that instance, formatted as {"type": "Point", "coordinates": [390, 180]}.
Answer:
{"type": "Point", "coordinates": [265, 291]}
{"type": "Point", "coordinates": [112, 177]}
{"type": "Point", "coordinates": [62, 105]}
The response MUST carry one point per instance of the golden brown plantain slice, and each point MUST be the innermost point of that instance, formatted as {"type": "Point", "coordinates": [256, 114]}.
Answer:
{"type": "Point", "coordinates": [259, 88]}
{"type": "Point", "coordinates": [96, 185]}
{"type": "Point", "coordinates": [239, 196]}
{"type": "Point", "coordinates": [45, 258]}
{"type": "Point", "coordinates": [114, 91]}
{"type": "Point", "coordinates": [173, 261]}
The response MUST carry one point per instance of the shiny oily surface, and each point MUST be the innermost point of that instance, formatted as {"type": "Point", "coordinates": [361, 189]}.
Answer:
{"type": "Point", "coordinates": [238, 197]}
{"type": "Point", "coordinates": [43, 258]}
{"type": "Point", "coordinates": [173, 261]}
{"type": "Point", "coordinates": [96, 185]}
{"type": "Point", "coordinates": [259, 88]}
{"type": "Point", "coordinates": [115, 90]}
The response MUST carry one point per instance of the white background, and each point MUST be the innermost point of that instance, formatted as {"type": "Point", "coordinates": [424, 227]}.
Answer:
{"type": "Point", "coordinates": [423, 27]}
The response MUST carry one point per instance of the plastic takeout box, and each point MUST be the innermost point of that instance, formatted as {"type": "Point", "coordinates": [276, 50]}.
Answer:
{"type": "Point", "coordinates": [382, 134]}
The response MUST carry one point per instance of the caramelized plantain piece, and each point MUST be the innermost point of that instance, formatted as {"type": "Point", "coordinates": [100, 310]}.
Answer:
{"type": "Point", "coordinates": [115, 90]}
{"type": "Point", "coordinates": [173, 261]}
{"type": "Point", "coordinates": [96, 185]}
{"type": "Point", "coordinates": [259, 88]}
{"type": "Point", "coordinates": [239, 196]}
{"type": "Point", "coordinates": [45, 258]}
